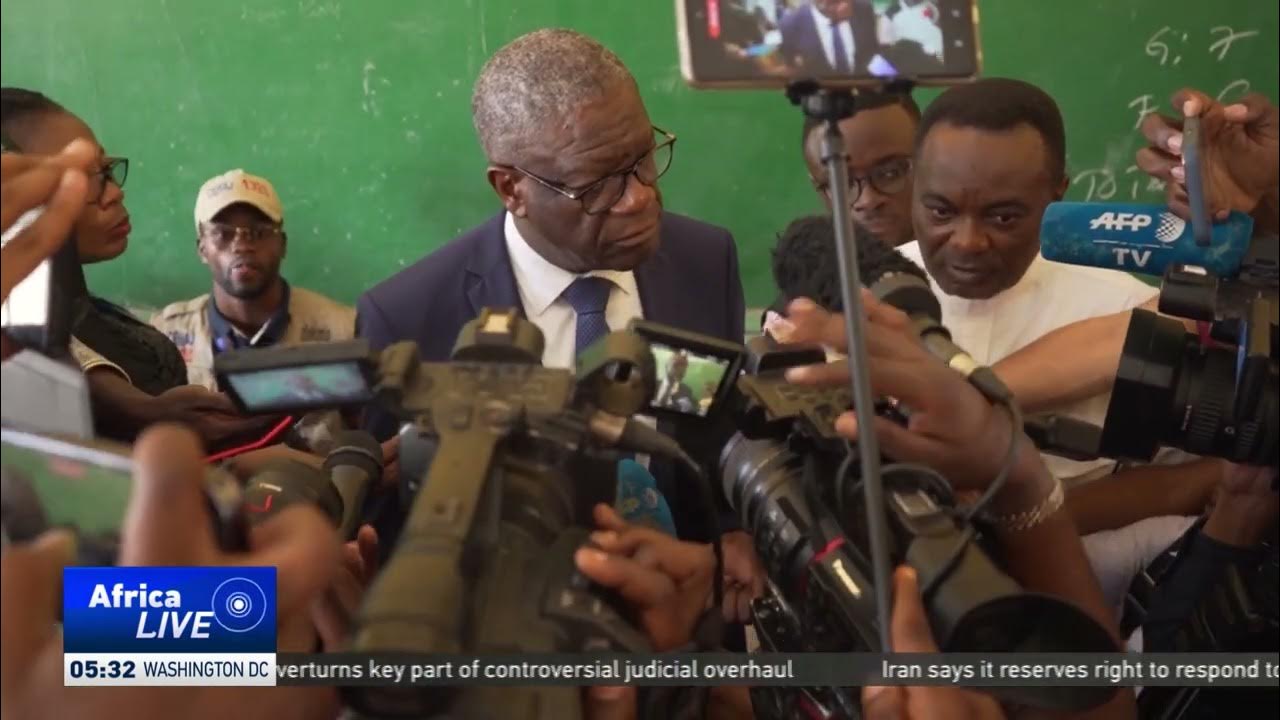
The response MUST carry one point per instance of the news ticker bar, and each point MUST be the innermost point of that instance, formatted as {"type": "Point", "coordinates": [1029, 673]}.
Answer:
{"type": "Point", "coordinates": [689, 669]}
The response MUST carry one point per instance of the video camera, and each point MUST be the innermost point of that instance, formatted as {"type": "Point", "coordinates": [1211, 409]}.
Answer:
{"type": "Point", "coordinates": [787, 474]}
{"type": "Point", "coordinates": [505, 460]}
{"type": "Point", "coordinates": [1213, 398]}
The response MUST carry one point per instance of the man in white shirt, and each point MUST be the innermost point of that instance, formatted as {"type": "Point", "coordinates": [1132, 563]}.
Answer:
{"type": "Point", "coordinates": [990, 157]}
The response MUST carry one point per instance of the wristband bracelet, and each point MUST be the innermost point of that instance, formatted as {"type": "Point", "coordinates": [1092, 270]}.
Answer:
{"type": "Point", "coordinates": [1027, 519]}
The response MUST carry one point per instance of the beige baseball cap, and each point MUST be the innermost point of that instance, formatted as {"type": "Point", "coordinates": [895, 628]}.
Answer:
{"type": "Point", "coordinates": [237, 186]}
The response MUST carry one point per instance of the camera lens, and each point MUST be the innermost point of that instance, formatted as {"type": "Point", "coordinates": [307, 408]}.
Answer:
{"type": "Point", "coordinates": [1171, 390]}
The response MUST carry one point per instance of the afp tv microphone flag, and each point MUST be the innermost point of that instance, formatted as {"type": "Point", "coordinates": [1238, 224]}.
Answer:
{"type": "Point", "coordinates": [1138, 238]}
{"type": "Point", "coordinates": [169, 626]}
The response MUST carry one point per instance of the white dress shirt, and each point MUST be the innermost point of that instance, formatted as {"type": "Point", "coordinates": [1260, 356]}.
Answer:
{"type": "Point", "coordinates": [1049, 296]}
{"type": "Point", "coordinates": [825, 32]}
{"type": "Point", "coordinates": [541, 284]}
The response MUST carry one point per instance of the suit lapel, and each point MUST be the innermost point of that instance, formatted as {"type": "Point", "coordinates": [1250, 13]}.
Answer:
{"type": "Point", "coordinates": [660, 291]}
{"type": "Point", "coordinates": [492, 283]}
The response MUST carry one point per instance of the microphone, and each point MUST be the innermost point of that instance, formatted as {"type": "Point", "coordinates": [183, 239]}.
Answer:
{"type": "Point", "coordinates": [1142, 239]}
{"type": "Point", "coordinates": [639, 501]}
{"type": "Point", "coordinates": [353, 465]}
{"type": "Point", "coordinates": [895, 280]}
{"type": "Point", "coordinates": [282, 483]}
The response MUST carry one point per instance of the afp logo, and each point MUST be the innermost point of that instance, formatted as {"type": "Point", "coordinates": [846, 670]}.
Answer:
{"type": "Point", "coordinates": [1132, 222]}
{"type": "Point", "coordinates": [1170, 227]}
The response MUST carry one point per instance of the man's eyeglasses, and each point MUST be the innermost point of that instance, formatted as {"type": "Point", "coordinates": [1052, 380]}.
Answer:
{"type": "Point", "coordinates": [114, 170]}
{"type": "Point", "coordinates": [601, 195]}
{"type": "Point", "coordinates": [888, 178]}
{"type": "Point", "coordinates": [223, 234]}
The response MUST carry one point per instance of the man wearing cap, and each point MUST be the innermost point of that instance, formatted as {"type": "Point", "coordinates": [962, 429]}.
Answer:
{"type": "Point", "coordinates": [240, 236]}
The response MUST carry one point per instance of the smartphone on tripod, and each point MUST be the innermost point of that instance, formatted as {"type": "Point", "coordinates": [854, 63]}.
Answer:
{"type": "Point", "coordinates": [838, 43]}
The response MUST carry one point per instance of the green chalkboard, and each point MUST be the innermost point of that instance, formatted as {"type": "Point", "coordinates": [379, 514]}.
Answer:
{"type": "Point", "coordinates": [358, 111]}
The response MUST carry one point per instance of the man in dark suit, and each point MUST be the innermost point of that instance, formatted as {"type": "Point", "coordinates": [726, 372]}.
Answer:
{"type": "Point", "coordinates": [830, 37]}
{"type": "Point", "coordinates": [583, 244]}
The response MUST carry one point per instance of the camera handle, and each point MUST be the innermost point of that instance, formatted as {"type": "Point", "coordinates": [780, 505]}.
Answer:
{"type": "Point", "coordinates": [831, 106]}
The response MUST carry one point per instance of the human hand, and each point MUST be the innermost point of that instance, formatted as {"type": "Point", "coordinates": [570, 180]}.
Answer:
{"type": "Point", "coordinates": [167, 524]}
{"type": "Point", "coordinates": [1245, 507]}
{"type": "Point", "coordinates": [667, 581]}
{"type": "Point", "coordinates": [327, 623]}
{"type": "Point", "coordinates": [609, 702]}
{"type": "Point", "coordinates": [910, 633]}
{"type": "Point", "coordinates": [390, 464]}
{"type": "Point", "coordinates": [211, 414]}
{"type": "Point", "coordinates": [951, 428]}
{"type": "Point", "coordinates": [1240, 151]}
{"type": "Point", "coordinates": [333, 612]}
{"type": "Point", "coordinates": [57, 182]}
{"type": "Point", "coordinates": [744, 576]}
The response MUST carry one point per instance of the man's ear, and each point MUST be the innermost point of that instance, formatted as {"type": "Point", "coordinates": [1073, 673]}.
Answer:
{"type": "Point", "coordinates": [1061, 190]}
{"type": "Point", "coordinates": [506, 183]}
{"type": "Point", "coordinates": [284, 244]}
{"type": "Point", "coordinates": [201, 251]}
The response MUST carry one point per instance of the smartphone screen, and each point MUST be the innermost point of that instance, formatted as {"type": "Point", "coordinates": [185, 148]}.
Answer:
{"type": "Point", "coordinates": [853, 43]}
{"type": "Point", "coordinates": [72, 485]}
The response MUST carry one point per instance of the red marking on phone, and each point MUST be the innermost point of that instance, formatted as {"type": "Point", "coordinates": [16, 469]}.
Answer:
{"type": "Point", "coordinates": [265, 507]}
{"type": "Point", "coordinates": [713, 19]}
{"type": "Point", "coordinates": [67, 468]}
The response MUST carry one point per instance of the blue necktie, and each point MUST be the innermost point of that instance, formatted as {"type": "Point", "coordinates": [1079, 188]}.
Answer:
{"type": "Point", "coordinates": [588, 296]}
{"type": "Point", "coordinates": [837, 49]}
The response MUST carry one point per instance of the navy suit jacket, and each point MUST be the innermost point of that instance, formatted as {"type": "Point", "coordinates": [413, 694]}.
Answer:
{"type": "Point", "coordinates": [800, 38]}
{"type": "Point", "coordinates": [691, 282]}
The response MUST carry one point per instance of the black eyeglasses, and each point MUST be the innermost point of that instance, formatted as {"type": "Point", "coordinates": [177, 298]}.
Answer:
{"type": "Point", "coordinates": [223, 234]}
{"type": "Point", "coordinates": [888, 178]}
{"type": "Point", "coordinates": [115, 170]}
{"type": "Point", "coordinates": [600, 196]}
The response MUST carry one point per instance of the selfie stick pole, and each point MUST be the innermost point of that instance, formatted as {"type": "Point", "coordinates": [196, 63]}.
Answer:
{"type": "Point", "coordinates": [832, 106]}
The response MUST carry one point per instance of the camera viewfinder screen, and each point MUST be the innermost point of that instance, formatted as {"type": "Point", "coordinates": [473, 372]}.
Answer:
{"type": "Point", "coordinates": [304, 386]}
{"type": "Point", "coordinates": [688, 383]}
{"type": "Point", "coordinates": [854, 41]}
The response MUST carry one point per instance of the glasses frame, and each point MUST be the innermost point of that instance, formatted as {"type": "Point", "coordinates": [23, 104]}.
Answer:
{"type": "Point", "coordinates": [580, 193]}
{"type": "Point", "coordinates": [858, 182]}
{"type": "Point", "coordinates": [256, 234]}
{"type": "Point", "coordinates": [114, 170]}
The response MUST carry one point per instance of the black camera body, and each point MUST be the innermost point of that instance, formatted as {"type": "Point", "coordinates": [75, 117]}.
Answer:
{"type": "Point", "coordinates": [504, 461]}
{"type": "Point", "coordinates": [1217, 397]}
{"type": "Point", "coordinates": [788, 474]}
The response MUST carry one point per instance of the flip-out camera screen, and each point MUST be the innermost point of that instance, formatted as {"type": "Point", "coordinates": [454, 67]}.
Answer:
{"type": "Point", "coordinates": [317, 386]}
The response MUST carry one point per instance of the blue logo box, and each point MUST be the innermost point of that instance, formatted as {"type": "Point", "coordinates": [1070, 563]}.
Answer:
{"type": "Point", "coordinates": [169, 609]}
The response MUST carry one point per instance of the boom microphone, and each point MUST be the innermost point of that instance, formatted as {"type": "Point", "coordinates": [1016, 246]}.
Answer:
{"type": "Point", "coordinates": [894, 279]}
{"type": "Point", "coordinates": [1142, 239]}
{"type": "Point", "coordinates": [353, 465]}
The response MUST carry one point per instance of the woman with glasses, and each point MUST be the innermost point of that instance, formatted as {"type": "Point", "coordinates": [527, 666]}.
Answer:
{"type": "Point", "coordinates": [136, 375]}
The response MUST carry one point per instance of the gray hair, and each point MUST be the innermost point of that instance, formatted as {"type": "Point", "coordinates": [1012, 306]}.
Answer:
{"type": "Point", "coordinates": [537, 79]}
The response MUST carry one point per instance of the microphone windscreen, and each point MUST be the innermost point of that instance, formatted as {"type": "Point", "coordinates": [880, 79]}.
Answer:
{"type": "Point", "coordinates": [639, 501]}
{"type": "Point", "coordinates": [1142, 239]}
{"type": "Point", "coordinates": [877, 260]}
{"type": "Point", "coordinates": [356, 447]}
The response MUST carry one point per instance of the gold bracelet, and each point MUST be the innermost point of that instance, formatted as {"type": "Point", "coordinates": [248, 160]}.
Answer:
{"type": "Point", "coordinates": [1027, 519]}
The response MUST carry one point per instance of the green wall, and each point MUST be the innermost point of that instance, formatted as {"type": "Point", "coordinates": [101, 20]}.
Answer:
{"type": "Point", "coordinates": [357, 110]}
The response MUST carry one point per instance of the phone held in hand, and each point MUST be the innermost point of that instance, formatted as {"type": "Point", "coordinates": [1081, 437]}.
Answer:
{"type": "Point", "coordinates": [51, 482]}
